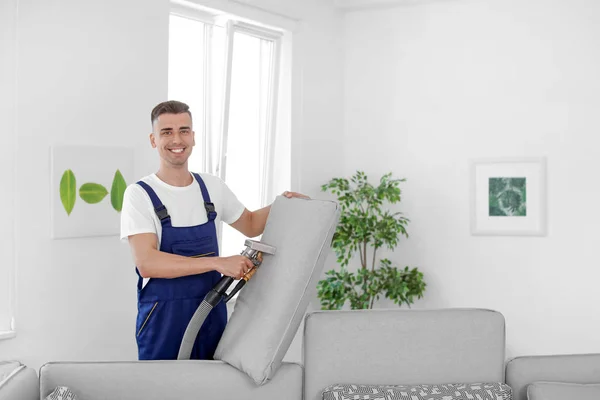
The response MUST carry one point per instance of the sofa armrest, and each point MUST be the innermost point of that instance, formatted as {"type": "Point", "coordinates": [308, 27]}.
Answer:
{"type": "Point", "coordinates": [7, 368]}
{"type": "Point", "coordinates": [575, 368]}
{"type": "Point", "coordinates": [150, 380]}
{"type": "Point", "coordinates": [21, 383]}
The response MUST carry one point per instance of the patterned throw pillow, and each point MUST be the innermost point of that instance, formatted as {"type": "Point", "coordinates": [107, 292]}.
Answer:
{"type": "Point", "coordinates": [61, 393]}
{"type": "Point", "coordinates": [450, 391]}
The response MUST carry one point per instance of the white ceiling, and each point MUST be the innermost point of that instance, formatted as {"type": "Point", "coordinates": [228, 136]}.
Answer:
{"type": "Point", "coordinates": [365, 4]}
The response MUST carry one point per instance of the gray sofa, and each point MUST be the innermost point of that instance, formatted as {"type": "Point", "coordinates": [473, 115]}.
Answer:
{"type": "Point", "coordinates": [571, 368]}
{"type": "Point", "coordinates": [18, 381]}
{"type": "Point", "coordinates": [339, 347]}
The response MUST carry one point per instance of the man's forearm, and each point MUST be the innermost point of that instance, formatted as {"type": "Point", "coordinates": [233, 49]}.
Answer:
{"type": "Point", "coordinates": [159, 264]}
{"type": "Point", "coordinates": [259, 220]}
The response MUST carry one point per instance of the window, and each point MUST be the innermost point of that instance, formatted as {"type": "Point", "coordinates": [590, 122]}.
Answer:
{"type": "Point", "coordinates": [228, 72]}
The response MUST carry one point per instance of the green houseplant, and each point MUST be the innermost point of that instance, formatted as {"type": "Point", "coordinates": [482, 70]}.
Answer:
{"type": "Point", "coordinates": [365, 224]}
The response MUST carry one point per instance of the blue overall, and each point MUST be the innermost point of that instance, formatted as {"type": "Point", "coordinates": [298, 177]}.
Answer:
{"type": "Point", "coordinates": [165, 306]}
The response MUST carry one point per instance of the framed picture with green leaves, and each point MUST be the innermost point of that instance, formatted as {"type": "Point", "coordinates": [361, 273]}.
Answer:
{"type": "Point", "coordinates": [508, 196]}
{"type": "Point", "coordinates": [87, 184]}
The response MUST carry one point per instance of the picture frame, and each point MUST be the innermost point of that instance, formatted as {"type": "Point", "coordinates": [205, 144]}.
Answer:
{"type": "Point", "coordinates": [87, 186]}
{"type": "Point", "coordinates": [508, 196]}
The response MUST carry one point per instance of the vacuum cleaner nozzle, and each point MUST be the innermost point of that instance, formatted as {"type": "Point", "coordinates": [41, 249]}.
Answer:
{"type": "Point", "coordinates": [255, 249]}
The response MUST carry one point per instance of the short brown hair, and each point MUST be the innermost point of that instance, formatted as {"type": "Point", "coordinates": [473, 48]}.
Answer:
{"type": "Point", "coordinates": [169, 107]}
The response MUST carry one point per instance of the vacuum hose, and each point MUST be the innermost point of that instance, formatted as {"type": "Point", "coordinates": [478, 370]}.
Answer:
{"type": "Point", "coordinates": [187, 344]}
{"type": "Point", "coordinates": [212, 299]}
{"type": "Point", "coordinates": [217, 294]}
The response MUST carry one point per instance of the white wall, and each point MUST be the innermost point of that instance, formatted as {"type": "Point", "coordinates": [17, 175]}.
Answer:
{"type": "Point", "coordinates": [429, 86]}
{"type": "Point", "coordinates": [8, 72]}
{"type": "Point", "coordinates": [89, 73]}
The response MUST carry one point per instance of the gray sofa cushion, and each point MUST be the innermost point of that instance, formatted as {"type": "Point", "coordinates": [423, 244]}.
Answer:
{"type": "Point", "coordinates": [449, 391]}
{"type": "Point", "coordinates": [563, 391]}
{"type": "Point", "coordinates": [407, 346]}
{"type": "Point", "coordinates": [572, 368]}
{"type": "Point", "coordinates": [165, 380]}
{"type": "Point", "coordinates": [271, 306]}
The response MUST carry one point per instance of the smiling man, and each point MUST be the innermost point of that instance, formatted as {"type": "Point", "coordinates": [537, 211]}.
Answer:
{"type": "Point", "coordinates": [170, 220]}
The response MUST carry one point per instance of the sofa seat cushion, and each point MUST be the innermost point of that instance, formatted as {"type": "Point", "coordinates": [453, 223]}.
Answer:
{"type": "Point", "coordinates": [448, 391]}
{"type": "Point", "coordinates": [563, 390]}
{"type": "Point", "coordinates": [165, 380]}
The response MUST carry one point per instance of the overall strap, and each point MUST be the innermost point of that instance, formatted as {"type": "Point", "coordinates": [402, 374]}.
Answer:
{"type": "Point", "coordinates": [159, 208]}
{"type": "Point", "coordinates": [210, 207]}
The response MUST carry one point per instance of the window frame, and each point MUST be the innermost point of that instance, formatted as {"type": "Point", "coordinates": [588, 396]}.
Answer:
{"type": "Point", "coordinates": [233, 27]}
{"type": "Point", "coordinates": [209, 20]}
{"type": "Point", "coordinates": [245, 23]}
{"type": "Point", "coordinates": [234, 24]}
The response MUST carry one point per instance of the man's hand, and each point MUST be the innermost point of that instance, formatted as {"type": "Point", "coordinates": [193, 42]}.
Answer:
{"type": "Point", "coordinates": [234, 266]}
{"type": "Point", "coordinates": [289, 195]}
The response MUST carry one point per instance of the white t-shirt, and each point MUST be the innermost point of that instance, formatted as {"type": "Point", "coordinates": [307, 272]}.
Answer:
{"type": "Point", "coordinates": [184, 204]}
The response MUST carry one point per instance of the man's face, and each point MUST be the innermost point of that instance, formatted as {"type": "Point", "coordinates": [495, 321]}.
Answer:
{"type": "Point", "coordinates": [173, 137]}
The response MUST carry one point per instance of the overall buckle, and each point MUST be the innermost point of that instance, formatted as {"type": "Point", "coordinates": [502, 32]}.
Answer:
{"type": "Point", "coordinates": [162, 212]}
{"type": "Point", "coordinates": [210, 207]}
{"type": "Point", "coordinates": [210, 210]}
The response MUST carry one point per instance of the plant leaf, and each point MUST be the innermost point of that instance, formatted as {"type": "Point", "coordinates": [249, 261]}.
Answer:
{"type": "Point", "coordinates": [68, 190]}
{"type": "Point", "coordinates": [117, 191]}
{"type": "Point", "coordinates": [92, 193]}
